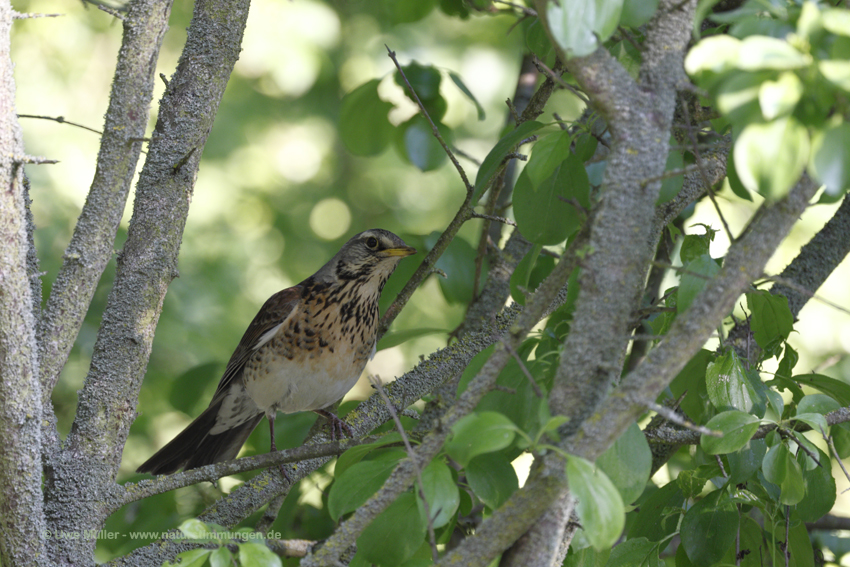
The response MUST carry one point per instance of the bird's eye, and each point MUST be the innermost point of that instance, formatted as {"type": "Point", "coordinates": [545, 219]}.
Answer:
{"type": "Point", "coordinates": [372, 243]}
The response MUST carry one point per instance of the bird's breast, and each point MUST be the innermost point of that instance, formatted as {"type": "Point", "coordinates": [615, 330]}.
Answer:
{"type": "Point", "coordinates": [315, 357]}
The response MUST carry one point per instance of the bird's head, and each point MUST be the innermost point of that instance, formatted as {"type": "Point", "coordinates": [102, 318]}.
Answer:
{"type": "Point", "coordinates": [369, 256]}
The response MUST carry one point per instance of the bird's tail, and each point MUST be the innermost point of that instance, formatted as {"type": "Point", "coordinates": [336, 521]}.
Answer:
{"type": "Point", "coordinates": [195, 446]}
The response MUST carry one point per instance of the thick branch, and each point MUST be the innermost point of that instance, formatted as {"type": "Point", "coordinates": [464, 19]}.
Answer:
{"type": "Point", "coordinates": [21, 510]}
{"type": "Point", "coordinates": [817, 259]}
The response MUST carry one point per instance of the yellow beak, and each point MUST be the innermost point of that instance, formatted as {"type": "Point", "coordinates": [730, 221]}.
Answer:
{"type": "Point", "coordinates": [403, 251]}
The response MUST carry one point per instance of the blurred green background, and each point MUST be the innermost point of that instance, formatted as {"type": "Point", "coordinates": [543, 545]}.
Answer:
{"type": "Point", "coordinates": [278, 193]}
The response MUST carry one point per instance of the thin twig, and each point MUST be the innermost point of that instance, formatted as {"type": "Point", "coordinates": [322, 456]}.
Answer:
{"type": "Point", "coordinates": [26, 16]}
{"type": "Point", "coordinates": [671, 415]}
{"type": "Point", "coordinates": [376, 383]}
{"type": "Point", "coordinates": [558, 80]}
{"type": "Point", "coordinates": [720, 464]}
{"type": "Point", "coordinates": [469, 187]}
{"type": "Point", "coordinates": [629, 38]}
{"type": "Point", "coordinates": [828, 439]}
{"type": "Point", "coordinates": [502, 220]}
{"type": "Point", "coordinates": [788, 433]}
{"type": "Point", "coordinates": [537, 391]}
{"type": "Point", "coordinates": [34, 160]}
{"type": "Point", "coordinates": [467, 157]}
{"type": "Point", "coordinates": [60, 120]}
{"type": "Point", "coordinates": [524, 9]}
{"type": "Point", "coordinates": [668, 174]}
{"type": "Point", "coordinates": [112, 12]}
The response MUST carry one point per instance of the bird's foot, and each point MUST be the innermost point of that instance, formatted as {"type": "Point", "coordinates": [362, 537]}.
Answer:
{"type": "Point", "coordinates": [337, 425]}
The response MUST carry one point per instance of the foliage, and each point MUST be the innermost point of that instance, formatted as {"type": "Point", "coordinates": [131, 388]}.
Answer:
{"type": "Point", "coordinates": [772, 82]}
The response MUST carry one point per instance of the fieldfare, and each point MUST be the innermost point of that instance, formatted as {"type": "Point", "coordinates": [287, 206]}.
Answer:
{"type": "Point", "coordinates": [303, 351]}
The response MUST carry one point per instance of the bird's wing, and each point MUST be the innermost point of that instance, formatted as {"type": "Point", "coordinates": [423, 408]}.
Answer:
{"type": "Point", "coordinates": [272, 314]}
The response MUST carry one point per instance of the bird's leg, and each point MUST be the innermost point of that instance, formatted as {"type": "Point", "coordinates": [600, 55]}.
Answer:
{"type": "Point", "coordinates": [274, 448]}
{"type": "Point", "coordinates": [337, 425]}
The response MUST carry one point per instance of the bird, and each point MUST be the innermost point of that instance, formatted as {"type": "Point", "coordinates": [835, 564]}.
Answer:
{"type": "Point", "coordinates": [304, 350]}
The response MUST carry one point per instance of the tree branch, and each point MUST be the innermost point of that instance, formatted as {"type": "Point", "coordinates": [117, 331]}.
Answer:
{"type": "Point", "coordinates": [21, 504]}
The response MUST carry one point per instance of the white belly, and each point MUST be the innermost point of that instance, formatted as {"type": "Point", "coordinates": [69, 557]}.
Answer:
{"type": "Point", "coordinates": [293, 386]}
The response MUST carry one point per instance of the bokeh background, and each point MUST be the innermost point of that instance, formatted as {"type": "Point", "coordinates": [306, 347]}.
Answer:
{"type": "Point", "coordinates": [278, 193]}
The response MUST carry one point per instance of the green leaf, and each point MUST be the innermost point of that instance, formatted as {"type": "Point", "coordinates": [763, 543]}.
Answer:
{"type": "Point", "coordinates": [497, 155]}
{"type": "Point", "coordinates": [407, 12]}
{"type": "Point", "coordinates": [194, 529]}
{"type": "Point", "coordinates": [637, 12]}
{"type": "Point", "coordinates": [463, 88]}
{"type": "Point", "coordinates": [734, 181]}
{"type": "Point", "coordinates": [441, 492]}
{"type": "Point", "coordinates": [257, 555]}
{"type": "Point", "coordinates": [671, 186]}
{"type": "Point", "coordinates": [779, 97]}
{"type": "Point", "coordinates": [728, 386]}
{"type": "Point", "coordinates": [695, 245]}
{"type": "Point", "coordinates": [458, 263]}
{"type": "Point", "coordinates": [836, 389]}
{"type": "Point", "coordinates": [820, 491]}
{"type": "Point", "coordinates": [221, 557]}
{"type": "Point", "coordinates": [737, 428]}
{"type": "Point", "coordinates": [762, 52]}
{"type": "Point", "coordinates": [781, 468]}
{"type": "Point", "coordinates": [817, 403]}
{"type": "Point", "coordinates": [638, 552]}
{"type": "Point", "coordinates": [713, 56]}
{"type": "Point", "coordinates": [776, 402]}
{"type": "Point", "coordinates": [770, 158]}
{"type": "Point", "coordinates": [690, 483]}
{"type": "Point", "coordinates": [353, 487]}
{"type": "Point", "coordinates": [836, 72]}
{"type": "Point", "coordinates": [576, 24]}
{"type": "Point", "coordinates": [658, 516]}
{"type": "Point", "coordinates": [424, 79]}
{"type": "Point", "coordinates": [627, 463]}
{"type": "Point", "coordinates": [744, 464]}
{"type": "Point", "coordinates": [416, 142]}
{"type": "Point", "coordinates": [480, 433]}
{"type": "Point", "coordinates": [356, 454]}
{"type": "Point", "coordinates": [691, 382]}
{"type": "Point", "coordinates": [542, 215]}
{"type": "Point", "coordinates": [600, 508]}
{"type": "Point", "coordinates": [547, 155]}
{"type": "Point", "coordinates": [771, 320]}
{"type": "Point", "coordinates": [708, 529]}
{"type": "Point", "coordinates": [738, 98]}
{"type": "Point", "coordinates": [492, 479]}
{"type": "Point", "coordinates": [837, 20]}
{"type": "Point", "coordinates": [363, 124]}
{"type": "Point", "coordinates": [394, 338]}
{"type": "Point", "coordinates": [395, 534]}
{"type": "Point", "coordinates": [522, 273]}
{"type": "Point", "coordinates": [192, 558]}
{"type": "Point", "coordinates": [697, 273]}
{"type": "Point", "coordinates": [830, 159]}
